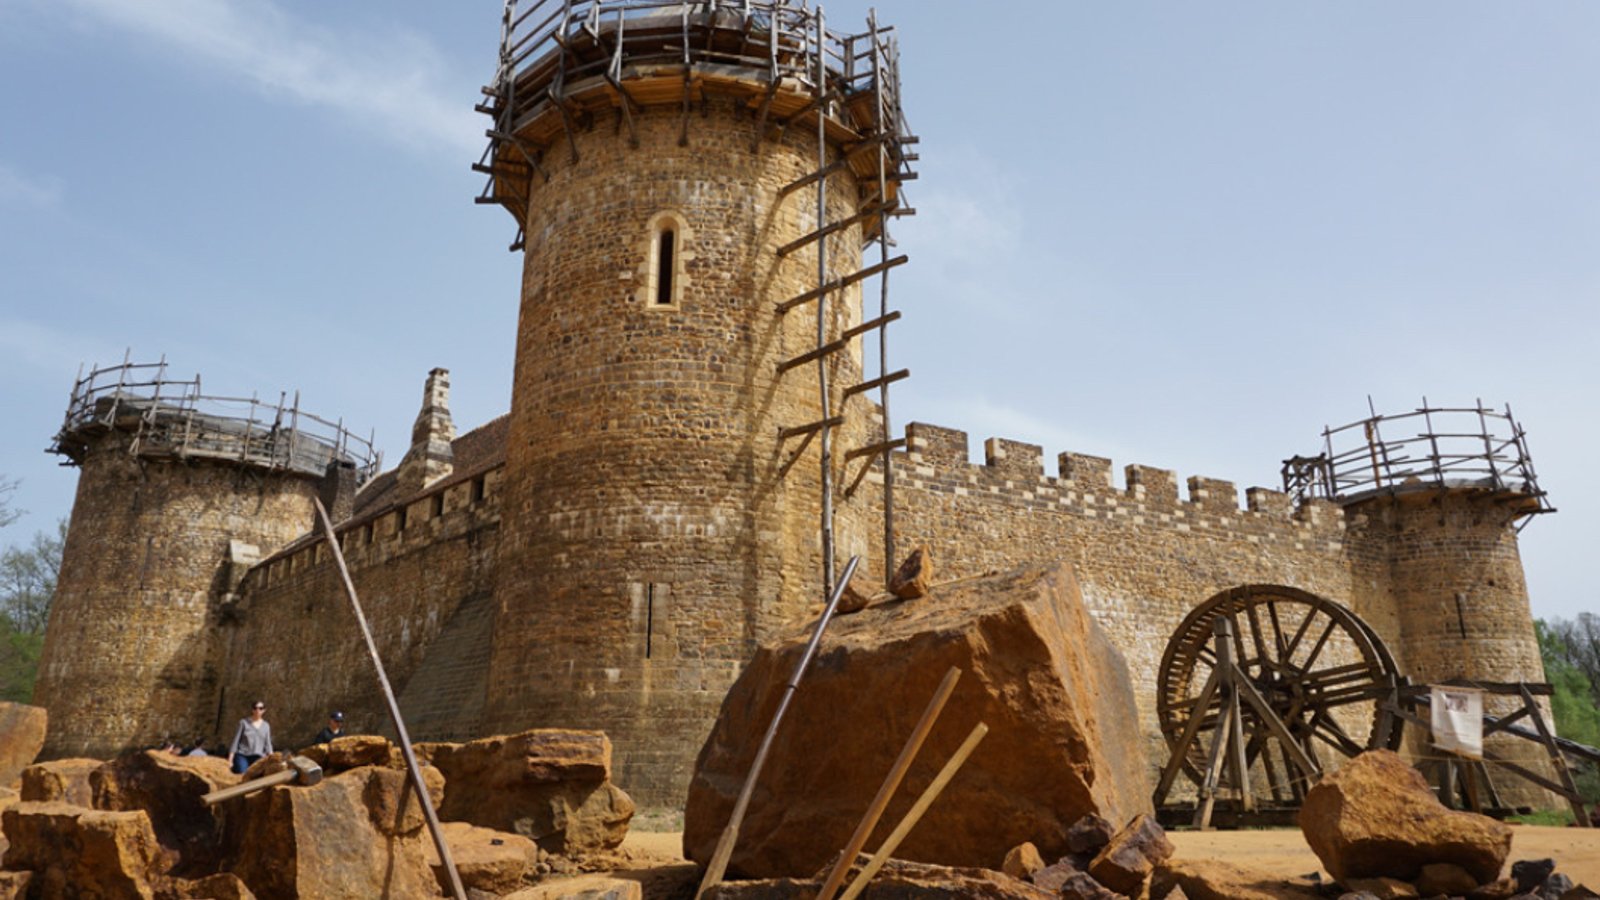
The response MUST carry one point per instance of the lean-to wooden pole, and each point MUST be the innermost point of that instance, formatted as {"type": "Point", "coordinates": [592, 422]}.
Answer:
{"type": "Point", "coordinates": [730, 834]}
{"type": "Point", "coordinates": [417, 783]}
{"type": "Point", "coordinates": [891, 783]}
{"type": "Point", "coordinates": [892, 842]}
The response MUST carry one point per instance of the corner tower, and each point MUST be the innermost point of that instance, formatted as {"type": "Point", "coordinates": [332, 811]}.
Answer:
{"type": "Point", "coordinates": [1435, 499]}
{"type": "Point", "coordinates": [694, 186]}
{"type": "Point", "coordinates": [178, 492]}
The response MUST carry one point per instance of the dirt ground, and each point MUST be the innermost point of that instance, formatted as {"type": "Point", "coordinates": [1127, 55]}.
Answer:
{"type": "Point", "coordinates": [1283, 851]}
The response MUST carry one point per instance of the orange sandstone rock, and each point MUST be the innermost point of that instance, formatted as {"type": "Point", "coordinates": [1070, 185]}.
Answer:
{"type": "Point", "coordinates": [1038, 671]}
{"type": "Point", "coordinates": [1376, 817]}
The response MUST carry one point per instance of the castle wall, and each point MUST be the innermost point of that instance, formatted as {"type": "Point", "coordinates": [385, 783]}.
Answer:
{"type": "Point", "coordinates": [653, 531]}
{"type": "Point", "coordinates": [127, 655]}
{"type": "Point", "coordinates": [1144, 555]}
{"type": "Point", "coordinates": [424, 573]}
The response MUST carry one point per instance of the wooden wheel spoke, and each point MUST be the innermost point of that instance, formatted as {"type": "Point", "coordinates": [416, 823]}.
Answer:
{"type": "Point", "coordinates": [1316, 649]}
{"type": "Point", "coordinates": [1333, 676]}
{"type": "Point", "coordinates": [1299, 635]}
{"type": "Point", "coordinates": [1255, 633]}
{"type": "Point", "coordinates": [1295, 683]}
{"type": "Point", "coordinates": [1329, 731]}
{"type": "Point", "coordinates": [1277, 630]}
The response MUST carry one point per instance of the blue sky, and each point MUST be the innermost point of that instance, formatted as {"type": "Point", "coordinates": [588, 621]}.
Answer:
{"type": "Point", "coordinates": [1181, 234]}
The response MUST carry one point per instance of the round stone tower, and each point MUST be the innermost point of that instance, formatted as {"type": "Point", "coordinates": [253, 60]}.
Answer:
{"type": "Point", "coordinates": [694, 184]}
{"type": "Point", "coordinates": [1437, 497]}
{"type": "Point", "coordinates": [177, 495]}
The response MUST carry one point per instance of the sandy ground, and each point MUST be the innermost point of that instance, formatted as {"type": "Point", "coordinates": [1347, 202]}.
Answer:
{"type": "Point", "coordinates": [1283, 851]}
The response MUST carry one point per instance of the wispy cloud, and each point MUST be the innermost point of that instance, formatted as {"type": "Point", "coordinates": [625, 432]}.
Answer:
{"type": "Point", "coordinates": [19, 189]}
{"type": "Point", "coordinates": [393, 81]}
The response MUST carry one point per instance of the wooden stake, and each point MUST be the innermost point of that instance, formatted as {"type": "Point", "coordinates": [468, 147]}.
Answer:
{"type": "Point", "coordinates": [417, 782]}
{"type": "Point", "coordinates": [730, 834]}
{"type": "Point", "coordinates": [891, 783]}
{"type": "Point", "coordinates": [922, 804]}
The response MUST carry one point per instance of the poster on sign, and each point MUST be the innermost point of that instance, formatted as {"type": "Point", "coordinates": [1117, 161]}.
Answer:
{"type": "Point", "coordinates": [1458, 720]}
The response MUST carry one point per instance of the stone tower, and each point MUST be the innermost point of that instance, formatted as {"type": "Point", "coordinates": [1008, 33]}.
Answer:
{"type": "Point", "coordinates": [178, 494]}
{"type": "Point", "coordinates": [1436, 498]}
{"type": "Point", "coordinates": [679, 173]}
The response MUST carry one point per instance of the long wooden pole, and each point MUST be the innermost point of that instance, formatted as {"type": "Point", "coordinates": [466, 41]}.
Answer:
{"type": "Point", "coordinates": [891, 783]}
{"type": "Point", "coordinates": [892, 843]}
{"type": "Point", "coordinates": [415, 770]}
{"type": "Point", "coordinates": [730, 834]}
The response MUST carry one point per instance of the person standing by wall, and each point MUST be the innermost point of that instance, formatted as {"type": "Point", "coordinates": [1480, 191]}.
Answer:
{"type": "Point", "coordinates": [334, 728]}
{"type": "Point", "coordinates": [252, 741]}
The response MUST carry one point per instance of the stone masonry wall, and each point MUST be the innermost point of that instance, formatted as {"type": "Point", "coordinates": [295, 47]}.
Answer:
{"type": "Point", "coordinates": [294, 642]}
{"type": "Point", "coordinates": [1144, 554]}
{"type": "Point", "coordinates": [127, 654]}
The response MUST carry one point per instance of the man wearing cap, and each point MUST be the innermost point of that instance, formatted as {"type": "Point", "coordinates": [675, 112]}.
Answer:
{"type": "Point", "coordinates": [334, 728]}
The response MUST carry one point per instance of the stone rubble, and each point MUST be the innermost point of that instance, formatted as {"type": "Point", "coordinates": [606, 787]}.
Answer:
{"type": "Point", "coordinates": [22, 734]}
{"type": "Point", "coordinates": [136, 827]}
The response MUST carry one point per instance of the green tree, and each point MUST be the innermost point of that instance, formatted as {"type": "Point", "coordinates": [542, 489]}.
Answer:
{"type": "Point", "coordinates": [1573, 703]}
{"type": "Point", "coordinates": [27, 584]}
{"type": "Point", "coordinates": [28, 580]}
{"type": "Point", "coordinates": [8, 512]}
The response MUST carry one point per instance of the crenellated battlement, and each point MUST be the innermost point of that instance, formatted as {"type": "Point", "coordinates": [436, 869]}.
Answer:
{"type": "Point", "coordinates": [1014, 471]}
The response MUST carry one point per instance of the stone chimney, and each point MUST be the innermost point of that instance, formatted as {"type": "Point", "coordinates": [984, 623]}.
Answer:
{"type": "Point", "coordinates": [430, 457]}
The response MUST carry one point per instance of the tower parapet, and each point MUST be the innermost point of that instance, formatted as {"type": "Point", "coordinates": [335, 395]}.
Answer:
{"type": "Point", "coordinates": [178, 492]}
{"type": "Point", "coordinates": [1437, 496]}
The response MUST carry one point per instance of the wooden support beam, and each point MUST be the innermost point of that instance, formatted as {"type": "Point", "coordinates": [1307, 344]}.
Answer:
{"type": "Point", "coordinates": [875, 449]}
{"type": "Point", "coordinates": [1191, 730]}
{"type": "Point", "coordinates": [797, 431]}
{"type": "Point", "coordinates": [832, 228]}
{"type": "Point", "coordinates": [841, 283]}
{"type": "Point", "coordinates": [837, 344]}
{"type": "Point", "coordinates": [884, 381]}
{"type": "Point", "coordinates": [1557, 761]}
{"type": "Point", "coordinates": [870, 325]}
{"type": "Point", "coordinates": [813, 356]}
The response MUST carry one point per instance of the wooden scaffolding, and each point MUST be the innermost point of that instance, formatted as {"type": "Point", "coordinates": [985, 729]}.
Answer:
{"type": "Point", "coordinates": [569, 65]}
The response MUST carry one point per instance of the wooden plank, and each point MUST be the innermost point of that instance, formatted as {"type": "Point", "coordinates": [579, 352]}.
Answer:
{"type": "Point", "coordinates": [884, 381]}
{"type": "Point", "coordinates": [788, 433]}
{"type": "Point", "coordinates": [841, 283]}
{"type": "Point", "coordinates": [895, 838]}
{"type": "Point", "coordinates": [891, 783]}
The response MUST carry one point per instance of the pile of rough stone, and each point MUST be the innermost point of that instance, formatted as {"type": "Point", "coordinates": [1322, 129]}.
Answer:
{"type": "Point", "coordinates": [516, 809]}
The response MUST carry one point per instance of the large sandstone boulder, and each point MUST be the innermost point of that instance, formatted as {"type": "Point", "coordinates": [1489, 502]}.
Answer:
{"type": "Point", "coordinates": [1200, 879]}
{"type": "Point", "coordinates": [899, 880]}
{"type": "Point", "coordinates": [168, 788]}
{"type": "Point", "coordinates": [83, 854]}
{"type": "Point", "coordinates": [550, 786]}
{"type": "Point", "coordinates": [60, 781]}
{"type": "Point", "coordinates": [1376, 817]}
{"type": "Point", "coordinates": [22, 730]}
{"type": "Point", "coordinates": [487, 860]}
{"type": "Point", "coordinates": [587, 887]}
{"type": "Point", "coordinates": [1063, 736]}
{"type": "Point", "coordinates": [357, 834]}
